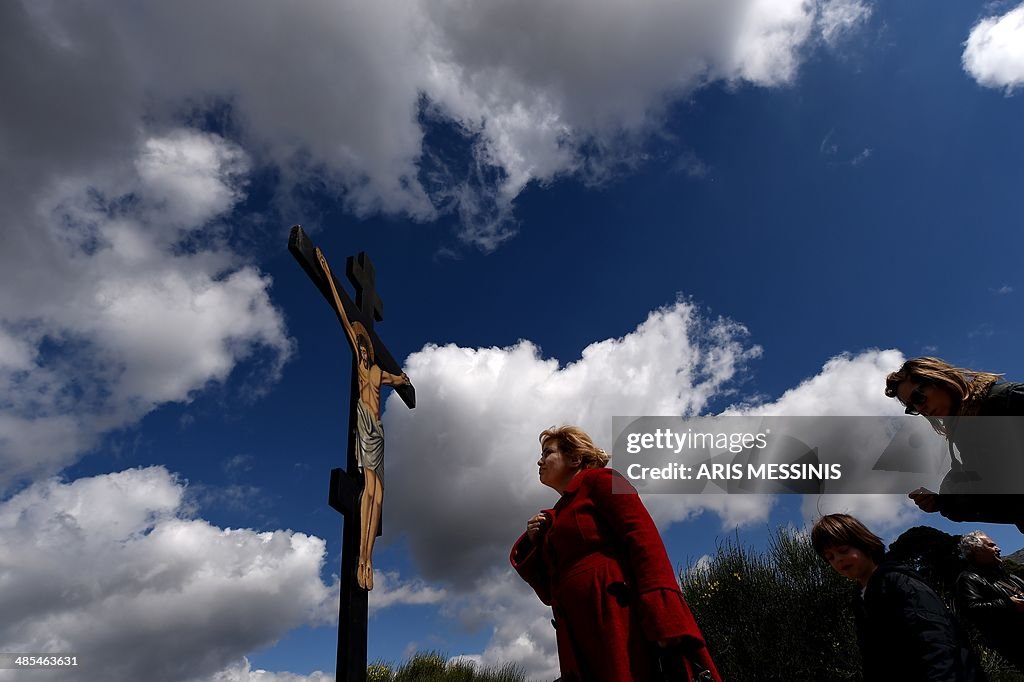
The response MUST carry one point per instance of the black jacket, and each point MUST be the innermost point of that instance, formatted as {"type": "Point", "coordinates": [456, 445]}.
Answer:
{"type": "Point", "coordinates": [983, 596]}
{"type": "Point", "coordinates": [984, 446]}
{"type": "Point", "coordinates": [906, 633]}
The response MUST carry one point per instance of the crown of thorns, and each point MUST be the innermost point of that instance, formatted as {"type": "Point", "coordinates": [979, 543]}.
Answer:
{"type": "Point", "coordinates": [363, 338]}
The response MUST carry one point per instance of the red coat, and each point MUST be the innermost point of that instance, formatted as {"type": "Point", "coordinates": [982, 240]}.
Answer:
{"type": "Point", "coordinates": [603, 569]}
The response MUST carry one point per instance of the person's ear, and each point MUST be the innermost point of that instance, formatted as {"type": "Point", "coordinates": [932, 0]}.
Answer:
{"type": "Point", "coordinates": [576, 461]}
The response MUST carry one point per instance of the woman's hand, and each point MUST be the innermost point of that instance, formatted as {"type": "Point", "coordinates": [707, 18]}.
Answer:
{"type": "Point", "coordinates": [537, 525]}
{"type": "Point", "coordinates": [927, 500]}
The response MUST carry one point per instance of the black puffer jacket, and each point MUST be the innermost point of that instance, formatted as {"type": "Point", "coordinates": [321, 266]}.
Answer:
{"type": "Point", "coordinates": [906, 633]}
{"type": "Point", "coordinates": [986, 447]}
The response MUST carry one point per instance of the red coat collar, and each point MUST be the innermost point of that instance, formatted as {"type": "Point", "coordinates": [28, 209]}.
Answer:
{"type": "Point", "coordinates": [577, 480]}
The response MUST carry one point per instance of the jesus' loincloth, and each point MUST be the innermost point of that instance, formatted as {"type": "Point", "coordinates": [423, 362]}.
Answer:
{"type": "Point", "coordinates": [369, 441]}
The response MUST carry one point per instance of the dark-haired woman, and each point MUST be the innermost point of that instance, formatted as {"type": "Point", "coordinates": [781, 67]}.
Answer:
{"type": "Point", "coordinates": [904, 631]}
{"type": "Point", "coordinates": [953, 400]}
{"type": "Point", "coordinates": [596, 558]}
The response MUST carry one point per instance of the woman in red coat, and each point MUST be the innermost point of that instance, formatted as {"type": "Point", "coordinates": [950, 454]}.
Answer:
{"type": "Point", "coordinates": [598, 561]}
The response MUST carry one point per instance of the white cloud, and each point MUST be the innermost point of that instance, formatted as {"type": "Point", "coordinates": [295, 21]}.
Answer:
{"type": "Point", "coordinates": [733, 510]}
{"type": "Point", "coordinates": [110, 568]}
{"type": "Point", "coordinates": [847, 385]}
{"type": "Point", "coordinates": [241, 671]}
{"type": "Point", "coordinates": [538, 81]}
{"type": "Point", "coordinates": [880, 513]}
{"type": "Point", "coordinates": [522, 631]}
{"type": "Point", "coordinates": [767, 44]}
{"type": "Point", "coordinates": [701, 565]}
{"type": "Point", "coordinates": [830, 149]}
{"type": "Point", "coordinates": [125, 297]}
{"type": "Point", "coordinates": [862, 157]}
{"type": "Point", "coordinates": [333, 92]}
{"type": "Point", "coordinates": [838, 18]}
{"type": "Point", "coordinates": [390, 590]}
{"type": "Point", "coordinates": [994, 51]}
{"type": "Point", "coordinates": [474, 433]}
{"type": "Point", "coordinates": [190, 177]}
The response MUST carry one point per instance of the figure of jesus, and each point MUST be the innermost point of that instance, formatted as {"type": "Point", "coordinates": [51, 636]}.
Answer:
{"type": "Point", "coordinates": [370, 433]}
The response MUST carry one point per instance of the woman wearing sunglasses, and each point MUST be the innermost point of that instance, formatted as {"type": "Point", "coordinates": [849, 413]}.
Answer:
{"type": "Point", "coordinates": [991, 451]}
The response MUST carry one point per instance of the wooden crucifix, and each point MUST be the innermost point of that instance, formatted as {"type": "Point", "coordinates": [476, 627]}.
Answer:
{"type": "Point", "coordinates": [358, 490]}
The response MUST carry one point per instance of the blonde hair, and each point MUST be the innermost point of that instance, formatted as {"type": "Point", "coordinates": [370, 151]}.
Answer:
{"type": "Point", "coordinates": [967, 387]}
{"type": "Point", "coordinates": [575, 442]}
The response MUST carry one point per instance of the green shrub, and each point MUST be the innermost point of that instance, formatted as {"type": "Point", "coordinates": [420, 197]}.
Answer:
{"type": "Point", "coordinates": [778, 615]}
{"type": "Point", "coordinates": [378, 671]}
{"type": "Point", "coordinates": [423, 667]}
{"type": "Point", "coordinates": [784, 614]}
{"type": "Point", "coordinates": [432, 666]}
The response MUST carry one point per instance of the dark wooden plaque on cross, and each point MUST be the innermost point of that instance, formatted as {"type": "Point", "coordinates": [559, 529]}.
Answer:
{"type": "Point", "coordinates": [356, 490]}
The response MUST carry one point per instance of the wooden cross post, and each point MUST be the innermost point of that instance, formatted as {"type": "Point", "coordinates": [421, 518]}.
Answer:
{"type": "Point", "coordinates": [372, 365]}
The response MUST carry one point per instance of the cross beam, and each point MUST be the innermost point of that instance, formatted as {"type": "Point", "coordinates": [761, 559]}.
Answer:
{"type": "Point", "coordinates": [346, 485]}
{"type": "Point", "coordinates": [357, 268]}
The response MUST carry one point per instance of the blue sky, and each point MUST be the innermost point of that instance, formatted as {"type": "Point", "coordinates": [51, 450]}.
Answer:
{"type": "Point", "coordinates": [574, 211]}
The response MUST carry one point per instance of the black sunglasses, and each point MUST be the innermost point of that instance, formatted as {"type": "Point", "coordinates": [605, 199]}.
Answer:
{"type": "Point", "coordinates": [915, 400]}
